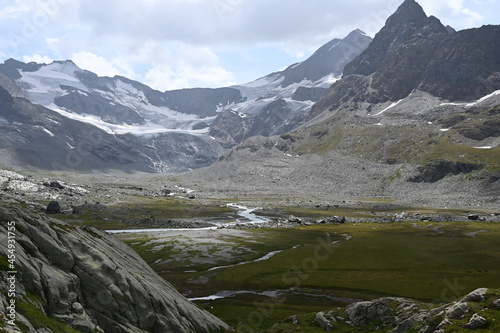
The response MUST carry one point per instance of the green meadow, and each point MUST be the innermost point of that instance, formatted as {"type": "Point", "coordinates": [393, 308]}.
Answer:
{"type": "Point", "coordinates": [325, 266]}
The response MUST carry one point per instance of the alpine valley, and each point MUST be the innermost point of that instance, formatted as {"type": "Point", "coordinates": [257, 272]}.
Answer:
{"type": "Point", "coordinates": [356, 191]}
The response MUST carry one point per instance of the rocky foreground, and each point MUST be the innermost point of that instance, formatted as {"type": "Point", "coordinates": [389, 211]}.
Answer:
{"type": "Point", "coordinates": [87, 280]}
{"type": "Point", "coordinates": [478, 310]}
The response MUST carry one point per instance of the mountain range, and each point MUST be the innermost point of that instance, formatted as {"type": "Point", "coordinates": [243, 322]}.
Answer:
{"type": "Point", "coordinates": [142, 129]}
{"type": "Point", "coordinates": [412, 115]}
{"type": "Point", "coordinates": [415, 116]}
{"type": "Point", "coordinates": [418, 94]}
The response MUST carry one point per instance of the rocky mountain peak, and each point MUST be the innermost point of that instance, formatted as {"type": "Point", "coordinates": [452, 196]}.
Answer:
{"type": "Point", "coordinates": [406, 23]}
{"type": "Point", "coordinates": [354, 35]}
{"type": "Point", "coordinates": [409, 11]}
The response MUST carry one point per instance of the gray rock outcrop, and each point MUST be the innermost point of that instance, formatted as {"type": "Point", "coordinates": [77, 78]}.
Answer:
{"type": "Point", "coordinates": [476, 322]}
{"type": "Point", "coordinates": [362, 313]}
{"type": "Point", "coordinates": [323, 322]}
{"type": "Point", "coordinates": [92, 281]}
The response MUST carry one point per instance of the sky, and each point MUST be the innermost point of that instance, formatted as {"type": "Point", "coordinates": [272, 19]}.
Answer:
{"type": "Point", "coordinates": [174, 44]}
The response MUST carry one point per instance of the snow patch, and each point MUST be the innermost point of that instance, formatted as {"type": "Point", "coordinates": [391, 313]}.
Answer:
{"type": "Point", "coordinates": [468, 105]}
{"type": "Point", "coordinates": [48, 132]}
{"type": "Point", "coordinates": [140, 130]}
{"type": "Point", "coordinates": [45, 130]}
{"type": "Point", "coordinates": [387, 108]}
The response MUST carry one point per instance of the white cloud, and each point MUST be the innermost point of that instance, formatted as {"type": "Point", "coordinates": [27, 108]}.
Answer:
{"type": "Point", "coordinates": [453, 12]}
{"type": "Point", "coordinates": [14, 9]}
{"type": "Point", "coordinates": [95, 63]}
{"type": "Point", "coordinates": [187, 43]}
{"type": "Point", "coordinates": [188, 66]}
{"type": "Point", "coordinates": [38, 59]}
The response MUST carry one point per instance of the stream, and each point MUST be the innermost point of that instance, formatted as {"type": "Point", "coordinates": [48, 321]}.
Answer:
{"type": "Point", "coordinates": [275, 294]}
{"type": "Point", "coordinates": [246, 216]}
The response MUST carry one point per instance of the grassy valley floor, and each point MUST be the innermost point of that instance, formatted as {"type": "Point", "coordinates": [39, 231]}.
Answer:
{"type": "Point", "coordinates": [323, 266]}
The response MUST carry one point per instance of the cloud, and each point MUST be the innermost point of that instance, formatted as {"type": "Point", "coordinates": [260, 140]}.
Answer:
{"type": "Point", "coordinates": [186, 43]}
{"type": "Point", "coordinates": [95, 63]}
{"type": "Point", "coordinates": [188, 66]}
{"type": "Point", "coordinates": [453, 12]}
{"type": "Point", "coordinates": [38, 59]}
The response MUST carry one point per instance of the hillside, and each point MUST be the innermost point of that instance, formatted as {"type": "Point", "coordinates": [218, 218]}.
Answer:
{"type": "Point", "coordinates": [418, 111]}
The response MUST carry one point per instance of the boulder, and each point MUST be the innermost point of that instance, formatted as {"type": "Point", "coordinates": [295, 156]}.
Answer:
{"type": "Point", "coordinates": [294, 219]}
{"type": "Point", "coordinates": [457, 311]}
{"type": "Point", "coordinates": [475, 296]}
{"type": "Point", "coordinates": [361, 313]}
{"type": "Point", "coordinates": [476, 322]}
{"type": "Point", "coordinates": [497, 302]}
{"type": "Point", "coordinates": [94, 282]}
{"type": "Point", "coordinates": [323, 322]}
{"type": "Point", "coordinates": [292, 319]}
{"type": "Point", "coordinates": [53, 207]}
{"type": "Point", "coordinates": [473, 217]}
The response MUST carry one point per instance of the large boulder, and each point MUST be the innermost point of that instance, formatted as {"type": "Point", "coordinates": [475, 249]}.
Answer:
{"type": "Point", "coordinates": [53, 207]}
{"type": "Point", "coordinates": [93, 282]}
{"type": "Point", "coordinates": [458, 310]}
{"type": "Point", "coordinates": [476, 322]}
{"type": "Point", "coordinates": [361, 313]}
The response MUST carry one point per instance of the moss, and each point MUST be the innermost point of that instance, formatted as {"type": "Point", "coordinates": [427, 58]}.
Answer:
{"type": "Point", "coordinates": [4, 263]}
{"type": "Point", "coordinates": [39, 319]}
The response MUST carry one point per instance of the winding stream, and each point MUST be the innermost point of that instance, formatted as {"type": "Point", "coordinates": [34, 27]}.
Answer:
{"type": "Point", "coordinates": [274, 294]}
{"type": "Point", "coordinates": [246, 216]}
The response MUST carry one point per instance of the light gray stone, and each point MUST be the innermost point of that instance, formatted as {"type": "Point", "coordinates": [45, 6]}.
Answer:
{"type": "Point", "coordinates": [475, 296]}
{"type": "Point", "coordinates": [457, 311]}
{"type": "Point", "coordinates": [323, 322]}
{"type": "Point", "coordinates": [476, 322]}
{"type": "Point", "coordinates": [95, 283]}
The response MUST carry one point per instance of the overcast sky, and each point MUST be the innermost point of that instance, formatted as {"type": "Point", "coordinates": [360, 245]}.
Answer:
{"type": "Point", "coordinates": [171, 44]}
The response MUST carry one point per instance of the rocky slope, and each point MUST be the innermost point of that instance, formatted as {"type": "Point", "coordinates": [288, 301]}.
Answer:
{"type": "Point", "coordinates": [279, 102]}
{"type": "Point", "coordinates": [415, 52]}
{"type": "Point", "coordinates": [33, 136]}
{"type": "Point", "coordinates": [478, 310]}
{"type": "Point", "coordinates": [87, 280]}
{"type": "Point", "coordinates": [414, 117]}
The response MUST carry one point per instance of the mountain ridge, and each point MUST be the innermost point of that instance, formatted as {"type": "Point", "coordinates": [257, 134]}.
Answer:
{"type": "Point", "coordinates": [169, 131]}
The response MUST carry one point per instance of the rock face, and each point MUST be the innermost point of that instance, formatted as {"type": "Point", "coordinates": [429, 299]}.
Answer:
{"type": "Point", "coordinates": [148, 130]}
{"type": "Point", "coordinates": [413, 51]}
{"type": "Point", "coordinates": [330, 58]}
{"type": "Point", "coordinates": [435, 171]}
{"type": "Point", "coordinates": [362, 313]}
{"type": "Point", "coordinates": [93, 282]}
{"type": "Point", "coordinates": [399, 315]}
{"type": "Point", "coordinates": [32, 136]}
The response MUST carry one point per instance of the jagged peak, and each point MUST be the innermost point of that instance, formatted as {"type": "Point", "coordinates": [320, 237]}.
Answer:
{"type": "Point", "coordinates": [354, 36]}
{"type": "Point", "coordinates": [408, 12]}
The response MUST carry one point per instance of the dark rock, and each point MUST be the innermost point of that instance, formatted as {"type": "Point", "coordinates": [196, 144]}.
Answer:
{"type": "Point", "coordinates": [294, 219]}
{"type": "Point", "coordinates": [337, 219]}
{"type": "Point", "coordinates": [413, 51]}
{"type": "Point", "coordinates": [53, 207]}
{"type": "Point", "coordinates": [309, 93]}
{"type": "Point", "coordinates": [292, 319]}
{"type": "Point", "coordinates": [435, 171]}
{"type": "Point", "coordinates": [474, 217]}
{"type": "Point", "coordinates": [56, 185]}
